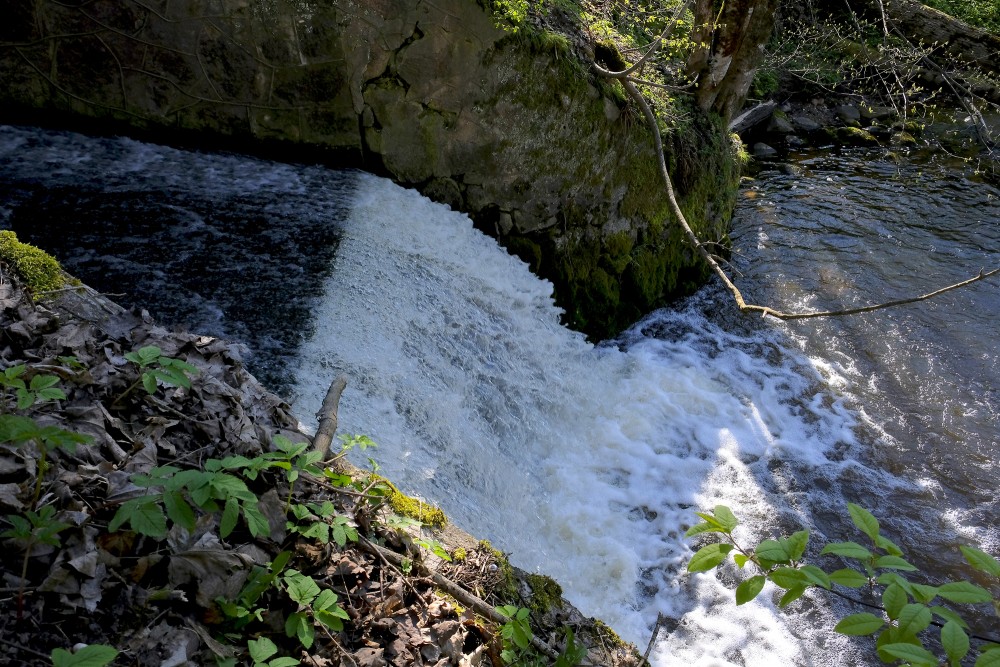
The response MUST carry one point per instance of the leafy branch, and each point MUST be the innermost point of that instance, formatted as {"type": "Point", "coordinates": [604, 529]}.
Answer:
{"type": "Point", "coordinates": [907, 609]}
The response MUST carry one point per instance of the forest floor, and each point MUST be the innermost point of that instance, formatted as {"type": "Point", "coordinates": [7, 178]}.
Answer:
{"type": "Point", "coordinates": [183, 520]}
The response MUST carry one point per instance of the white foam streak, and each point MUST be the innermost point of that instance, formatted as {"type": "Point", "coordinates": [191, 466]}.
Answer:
{"type": "Point", "coordinates": [586, 463]}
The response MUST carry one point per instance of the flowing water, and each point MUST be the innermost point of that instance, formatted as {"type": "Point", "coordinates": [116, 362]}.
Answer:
{"type": "Point", "coordinates": [587, 462]}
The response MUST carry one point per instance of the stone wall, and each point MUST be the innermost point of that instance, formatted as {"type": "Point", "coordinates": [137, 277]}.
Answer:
{"type": "Point", "coordinates": [509, 128]}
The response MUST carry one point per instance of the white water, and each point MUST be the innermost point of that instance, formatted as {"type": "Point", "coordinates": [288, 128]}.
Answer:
{"type": "Point", "coordinates": [585, 463]}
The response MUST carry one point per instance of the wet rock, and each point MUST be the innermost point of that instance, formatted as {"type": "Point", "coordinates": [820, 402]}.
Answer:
{"type": "Point", "coordinates": [848, 113]}
{"type": "Point", "coordinates": [795, 141]}
{"type": "Point", "coordinates": [780, 124]}
{"type": "Point", "coordinates": [804, 123]}
{"type": "Point", "coordinates": [763, 151]}
{"type": "Point", "coordinates": [903, 139]}
{"type": "Point", "coordinates": [853, 136]}
{"type": "Point", "coordinates": [877, 113]}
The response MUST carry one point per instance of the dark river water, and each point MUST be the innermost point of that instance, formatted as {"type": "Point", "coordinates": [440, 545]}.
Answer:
{"type": "Point", "coordinates": [587, 461]}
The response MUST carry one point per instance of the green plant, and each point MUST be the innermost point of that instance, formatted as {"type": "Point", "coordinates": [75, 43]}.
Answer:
{"type": "Point", "coordinates": [261, 651]}
{"type": "Point", "coordinates": [205, 489]}
{"type": "Point", "coordinates": [18, 429]}
{"type": "Point", "coordinates": [41, 388]}
{"type": "Point", "coordinates": [907, 609]}
{"type": "Point", "coordinates": [316, 605]}
{"type": "Point", "coordinates": [157, 368]}
{"type": "Point", "coordinates": [516, 635]}
{"type": "Point", "coordinates": [94, 655]}
{"type": "Point", "coordinates": [33, 528]}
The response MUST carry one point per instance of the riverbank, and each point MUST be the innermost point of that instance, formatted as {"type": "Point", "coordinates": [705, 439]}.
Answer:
{"type": "Point", "coordinates": [180, 575]}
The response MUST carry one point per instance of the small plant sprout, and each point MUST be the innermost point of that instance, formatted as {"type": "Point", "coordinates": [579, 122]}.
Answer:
{"type": "Point", "coordinates": [156, 368]}
{"type": "Point", "coordinates": [39, 389]}
{"type": "Point", "coordinates": [261, 652]}
{"type": "Point", "coordinates": [33, 528]}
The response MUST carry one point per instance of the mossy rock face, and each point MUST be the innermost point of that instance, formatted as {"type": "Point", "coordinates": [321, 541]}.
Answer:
{"type": "Point", "coordinates": [441, 98]}
{"type": "Point", "coordinates": [40, 271]}
{"type": "Point", "coordinates": [414, 508]}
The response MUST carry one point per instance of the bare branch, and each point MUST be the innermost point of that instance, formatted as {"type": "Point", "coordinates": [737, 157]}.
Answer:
{"type": "Point", "coordinates": [700, 247]}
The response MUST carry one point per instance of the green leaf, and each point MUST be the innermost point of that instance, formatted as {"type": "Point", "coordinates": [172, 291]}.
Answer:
{"type": "Point", "coordinates": [149, 383]}
{"type": "Point", "coordinates": [981, 560]}
{"type": "Point", "coordinates": [725, 516]}
{"type": "Point", "coordinates": [740, 560]}
{"type": "Point", "coordinates": [963, 591]}
{"type": "Point", "coordinates": [857, 625]}
{"type": "Point", "coordinates": [894, 563]}
{"type": "Point", "coordinates": [847, 550]}
{"type": "Point", "coordinates": [864, 520]}
{"type": "Point", "coordinates": [256, 521]}
{"type": "Point", "coordinates": [888, 545]}
{"type": "Point", "coordinates": [261, 649]}
{"type": "Point", "coordinates": [710, 519]}
{"type": "Point", "coordinates": [54, 394]}
{"type": "Point", "coordinates": [178, 509]}
{"type": "Point", "coordinates": [773, 551]}
{"type": "Point", "coordinates": [284, 662]}
{"type": "Point", "coordinates": [144, 515]}
{"type": "Point", "coordinates": [708, 557]}
{"type": "Point", "coordinates": [301, 588]}
{"type": "Point", "coordinates": [922, 593]}
{"type": "Point", "coordinates": [750, 589]}
{"type": "Point", "coordinates": [795, 544]}
{"type": "Point", "coordinates": [949, 615]}
{"type": "Point", "coordinates": [915, 655]}
{"type": "Point", "coordinates": [40, 382]}
{"type": "Point", "coordinates": [95, 655]}
{"type": "Point", "coordinates": [230, 514]}
{"type": "Point", "coordinates": [788, 578]}
{"type": "Point", "coordinates": [955, 642]}
{"type": "Point", "coordinates": [913, 619]}
{"type": "Point", "coordinates": [791, 596]}
{"type": "Point", "coordinates": [894, 598]}
{"type": "Point", "coordinates": [298, 625]}
{"type": "Point", "coordinates": [848, 578]}
{"type": "Point", "coordinates": [700, 528]}
{"type": "Point", "coordinates": [988, 659]}
{"type": "Point", "coordinates": [816, 576]}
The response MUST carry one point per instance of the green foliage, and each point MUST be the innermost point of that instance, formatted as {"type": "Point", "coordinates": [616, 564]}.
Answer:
{"type": "Point", "coordinates": [39, 527]}
{"type": "Point", "coordinates": [983, 14]}
{"type": "Point", "coordinates": [39, 389]}
{"type": "Point", "coordinates": [516, 634]}
{"type": "Point", "coordinates": [907, 612]}
{"type": "Point", "coordinates": [95, 655]}
{"type": "Point", "coordinates": [211, 490]}
{"type": "Point", "coordinates": [261, 652]}
{"type": "Point", "coordinates": [156, 368]}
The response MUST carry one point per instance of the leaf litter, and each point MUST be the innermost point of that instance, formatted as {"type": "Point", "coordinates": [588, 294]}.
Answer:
{"type": "Point", "coordinates": [158, 600]}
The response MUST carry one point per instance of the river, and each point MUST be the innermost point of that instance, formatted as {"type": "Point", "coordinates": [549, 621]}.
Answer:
{"type": "Point", "coordinates": [588, 462]}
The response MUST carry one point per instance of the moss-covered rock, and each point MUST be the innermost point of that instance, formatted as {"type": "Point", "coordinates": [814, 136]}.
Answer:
{"type": "Point", "coordinates": [39, 270]}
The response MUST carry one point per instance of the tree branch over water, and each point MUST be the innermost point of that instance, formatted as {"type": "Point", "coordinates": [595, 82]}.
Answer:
{"type": "Point", "coordinates": [628, 83]}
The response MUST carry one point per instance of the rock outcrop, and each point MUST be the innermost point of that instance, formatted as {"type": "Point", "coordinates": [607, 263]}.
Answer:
{"type": "Point", "coordinates": [510, 128]}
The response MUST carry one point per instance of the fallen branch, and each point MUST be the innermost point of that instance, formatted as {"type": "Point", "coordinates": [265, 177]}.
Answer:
{"type": "Point", "coordinates": [327, 416]}
{"type": "Point", "coordinates": [699, 246]}
{"type": "Point", "coordinates": [463, 596]}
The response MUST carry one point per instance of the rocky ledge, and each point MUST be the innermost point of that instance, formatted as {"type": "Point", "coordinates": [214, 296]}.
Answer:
{"type": "Point", "coordinates": [157, 501]}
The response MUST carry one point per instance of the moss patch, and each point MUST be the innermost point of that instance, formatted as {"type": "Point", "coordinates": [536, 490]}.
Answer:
{"type": "Point", "coordinates": [414, 508]}
{"type": "Point", "coordinates": [507, 589]}
{"type": "Point", "coordinates": [39, 270]}
{"type": "Point", "coordinates": [545, 593]}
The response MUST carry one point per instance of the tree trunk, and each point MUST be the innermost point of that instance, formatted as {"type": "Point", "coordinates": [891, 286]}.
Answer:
{"type": "Point", "coordinates": [731, 49]}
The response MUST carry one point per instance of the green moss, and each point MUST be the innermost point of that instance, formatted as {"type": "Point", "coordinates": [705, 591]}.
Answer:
{"type": "Point", "coordinates": [459, 554]}
{"type": "Point", "coordinates": [526, 250]}
{"type": "Point", "coordinates": [617, 252]}
{"type": "Point", "coordinates": [39, 270]}
{"type": "Point", "coordinates": [855, 136]}
{"type": "Point", "coordinates": [610, 636]}
{"type": "Point", "coordinates": [414, 508]}
{"type": "Point", "coordinates": [545, 593]}
{"type": "Point", "coordinates": [507, 589]}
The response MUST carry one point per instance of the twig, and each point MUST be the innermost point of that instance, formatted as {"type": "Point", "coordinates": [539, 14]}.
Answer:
{"type": "Point", "coordinates": [24, 648]}
{"type": "Point", "coordinates": [327, 416]}
{"type": "Point", "coordinates": [652, 640]}
{"type": "Point", "coordinates": [460, 594]}
{"type": "Point", "coordinates": [710, 260]}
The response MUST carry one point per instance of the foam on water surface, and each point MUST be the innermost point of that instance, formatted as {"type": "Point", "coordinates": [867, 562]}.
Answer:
{"type": "Point", "coordinates": [584, 462]}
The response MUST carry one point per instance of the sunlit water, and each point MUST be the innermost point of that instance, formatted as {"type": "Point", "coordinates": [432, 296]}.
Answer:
{"type": "Point", "coordinates": [587, 462]}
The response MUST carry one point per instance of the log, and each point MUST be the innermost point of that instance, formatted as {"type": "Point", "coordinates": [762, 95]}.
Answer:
{"type": "Point", "coordinates": [327, 416]}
